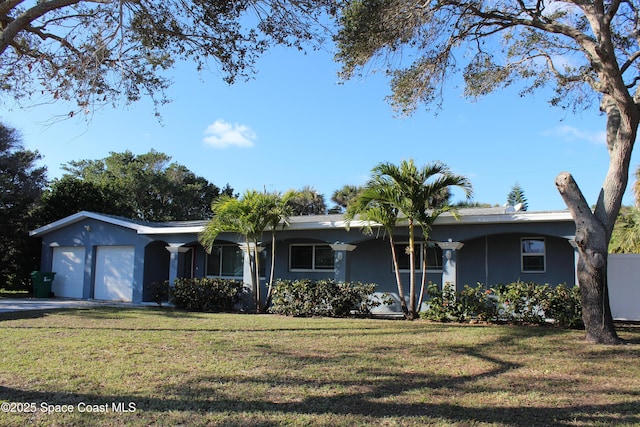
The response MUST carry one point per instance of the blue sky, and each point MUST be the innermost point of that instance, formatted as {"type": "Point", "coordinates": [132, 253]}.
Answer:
{"type": "Point", "coordinates": [295, 124]}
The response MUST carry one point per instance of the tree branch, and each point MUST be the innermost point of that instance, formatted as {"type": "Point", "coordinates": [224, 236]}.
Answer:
{"type": "Point", "coordinates": [8, 5]}
{"type": "Point", "coordinates": [25, 19]}
{"type": "Point", "coordinates": [588, 228]}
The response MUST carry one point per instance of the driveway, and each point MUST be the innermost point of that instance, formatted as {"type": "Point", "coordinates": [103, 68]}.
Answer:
{"type": "Point", "coordinates": [23, 304]}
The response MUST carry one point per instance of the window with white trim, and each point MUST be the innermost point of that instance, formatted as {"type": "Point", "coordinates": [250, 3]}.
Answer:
{"type": "Point", "coordinates": [225, 261]}
{"type": "Point", "coordinates": [533, 255]}
{"type": "Point", "coordinates": [433, 256]}
{"type": "Point", "coordinates": [311, 257]}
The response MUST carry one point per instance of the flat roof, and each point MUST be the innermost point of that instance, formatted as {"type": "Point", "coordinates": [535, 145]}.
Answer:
{"type": "Point", "coordinates": [495, 215]}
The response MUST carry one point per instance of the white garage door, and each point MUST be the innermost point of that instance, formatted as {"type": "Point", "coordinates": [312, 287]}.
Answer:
{"type": "Point", "coordinates": [114, 273]}
{"type": "Point", "coordinates": [68, 264]}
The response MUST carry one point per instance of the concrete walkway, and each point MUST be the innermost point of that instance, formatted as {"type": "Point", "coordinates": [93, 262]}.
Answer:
{"type": "Point", "coordinates": [22, 304]}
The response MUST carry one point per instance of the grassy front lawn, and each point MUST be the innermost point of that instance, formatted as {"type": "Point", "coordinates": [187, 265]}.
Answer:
{"type": "Point", "coordinates": [173, 368]}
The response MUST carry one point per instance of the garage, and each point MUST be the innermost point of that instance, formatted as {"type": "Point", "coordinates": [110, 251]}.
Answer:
{"type": "Point", "coordinates": [68, 264]}
{"type": "Point", "coordinates": [114, 273]}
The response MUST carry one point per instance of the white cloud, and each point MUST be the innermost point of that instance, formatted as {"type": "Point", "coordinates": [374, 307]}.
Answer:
{"type": "Point", "coordinates": [221, 134]}
{"type": "Point", "coordinates": [570, 133]}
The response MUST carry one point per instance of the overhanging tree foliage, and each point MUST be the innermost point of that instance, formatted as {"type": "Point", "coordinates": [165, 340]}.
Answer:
{"type": "Point", "coordinates": [587, 49]}
{"type": "Point", "coordinates": [97, 52]}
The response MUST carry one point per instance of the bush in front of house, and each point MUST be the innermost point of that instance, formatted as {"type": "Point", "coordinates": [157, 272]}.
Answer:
{"type": "Point", "coordinates": [448, 305]}
{"type": "Point", "coordinates": [521, 302]}
{"type": "Point", "coordinates": [305, 298]}
{"type": "Point", "coordinates": [518, 302]}
{"type": "Point", "coordinates": [205, 294]}
{"type": "Point", "coordinates": [562, 304]}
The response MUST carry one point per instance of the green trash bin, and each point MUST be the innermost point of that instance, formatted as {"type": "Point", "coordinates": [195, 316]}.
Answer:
{"type": "Point", "coordinates": [41, 283]}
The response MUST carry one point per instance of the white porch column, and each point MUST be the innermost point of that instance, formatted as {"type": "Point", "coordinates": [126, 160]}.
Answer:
{"type": "Point", "coordinates": [340, 261]}
{"type": "Point", "coordinates": [247, 275]}
{"type": "Point", "coordinates": [174, 249]}
{"type": "Point", "coordinates": [576, 255]}
{"type": "Point", "coordinates": [449, 269]}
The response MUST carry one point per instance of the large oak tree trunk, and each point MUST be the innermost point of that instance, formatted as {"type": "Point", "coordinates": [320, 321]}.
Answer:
{"type": "Point", "coordinates": [594, 228]}
{"type": "Point", "coordinates": [592, 241]}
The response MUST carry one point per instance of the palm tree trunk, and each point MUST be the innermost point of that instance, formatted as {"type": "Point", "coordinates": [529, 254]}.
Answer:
{"type": "Point", "coordinates": [403, 302]}
{"type": "Point", "coordinates": [271, 271]}
{"type": "Point", "coordinates": [256, 279]}
{"type": "Point", "coordinates": [424, 275]}
{"type": "Point", "coordinates": [412, 272]}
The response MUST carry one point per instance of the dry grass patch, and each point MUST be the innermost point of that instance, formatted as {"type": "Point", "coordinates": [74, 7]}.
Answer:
{"type": "Point", "coordinates": [221, 369]}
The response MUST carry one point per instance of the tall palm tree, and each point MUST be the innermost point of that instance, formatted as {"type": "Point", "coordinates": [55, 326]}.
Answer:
{"type": "Point", "coordinates": [375, 204]}
{"type": "Point", "coordinates": [277, 214]}
{"type": "Point", "coordinates": [248, 216]}
{"type": "Point", "coordinates": [419, 194]}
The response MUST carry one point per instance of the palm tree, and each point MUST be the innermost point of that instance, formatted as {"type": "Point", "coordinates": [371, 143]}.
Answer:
{"type": "Point", "coordinates": [626, 232]}
{"type": "Point", "coordinates": [249, 216]}
{"type": "Point", "coordinates": [278, 213]}
{"type": "Point", "coordinates": [420, 195]}
{"type": "Point", "coordinates": [625, 237]}
{"type": "Point", "coordinates": [306, 201]}
{"type": "Point", "coordinates": [344, 196]}
{"type": "Point", "coordinates": [375, 204]}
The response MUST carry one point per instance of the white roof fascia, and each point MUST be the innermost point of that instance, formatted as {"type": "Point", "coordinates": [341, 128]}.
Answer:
{"type": "Point", "coordinates": [317, 222]}
{"type": "Point", "coordinates": [79, 217]}
{"type": "Point", "coordinates": [171, 230]}
{"type": "Point", "coordinates": [321, 225]}
{"type": "Point", "coordinates": [543, 216]}
{"type": "Point", "coordinates": [444, 219]}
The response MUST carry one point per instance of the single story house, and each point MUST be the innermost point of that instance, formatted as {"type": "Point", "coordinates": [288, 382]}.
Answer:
{"type": "Point", "coordinates": [104, 257]}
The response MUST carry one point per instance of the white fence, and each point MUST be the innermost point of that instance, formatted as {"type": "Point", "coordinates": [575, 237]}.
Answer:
{"type": "Point", "coordinates": [624, 286]}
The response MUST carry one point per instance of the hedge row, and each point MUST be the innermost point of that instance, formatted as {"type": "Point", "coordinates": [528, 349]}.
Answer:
{"type": "Point", "coordinates": [205, 294]}
{"type": "Point", "coordinates": [323, 298]}
{"type": "Point", "coordinates": [291, 298]}
{"type": "Point", "coordinates": [518, 302]}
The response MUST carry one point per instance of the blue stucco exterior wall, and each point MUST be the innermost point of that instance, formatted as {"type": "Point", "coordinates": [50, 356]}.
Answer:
{"type": "Point", "coordinates": [90, 234]}
{"type": "Point", "coordinates": [496, 259]}
{"type": "Point", "coordinates": [490, 253]}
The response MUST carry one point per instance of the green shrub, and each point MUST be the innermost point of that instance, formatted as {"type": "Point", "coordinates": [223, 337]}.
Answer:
{"type": "Point", "coordinates": [518, 302]}
{"type": "Point", "coordinates": [522, 302]}
{"type": "Point", "coordinates": [205, 294]}
{"type": "Point", "coordinates": [322, 298]}
{"type": "Point", "coordinates": [562, 304]}
{"type": "Point", "coordinates": [442, 305]}
{"type": "Point", "coordinates": [449, 305]}
{"type": "Point", "coordinates": [481, 303]}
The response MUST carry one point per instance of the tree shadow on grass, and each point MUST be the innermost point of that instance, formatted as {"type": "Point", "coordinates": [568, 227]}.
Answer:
{"type": "Point", "coordinates": [374, 395]}
{"type": "Point", "coordinates": [379, 394]}
{"type": "Point", "coordinates": [27, 314]}
{"type": "Point", "coordinates": [369, 405]}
